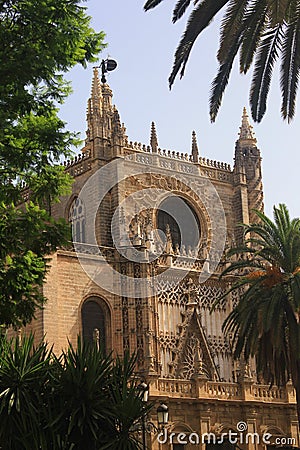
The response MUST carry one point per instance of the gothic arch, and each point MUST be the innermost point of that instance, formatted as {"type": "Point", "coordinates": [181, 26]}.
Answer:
{"type": "Point", "coordinates": [180, 426]}
{"type": "Point", "coordinates": [96, 322]}
{"type": "Point", "coordinates": [182, 218]}
{"type": "Point", "coordinates": [178, 188]}
{"type": "Point", "coordinates": [187, 436]}
{"type": "Point", "coordinates": [69, 204]}
{"type": "Point", "coordinates": [76, 216]}
{"type": "Point", "coordinates": [196, 206]}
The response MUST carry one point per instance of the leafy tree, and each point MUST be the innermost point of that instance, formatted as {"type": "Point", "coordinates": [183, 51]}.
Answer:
{"type": "Point", "coordinates": [265, 323]}
{"type": "Point", "coordinates": [27, 236]}
{"type": "Point", "coordinates": [262, 30]}
{"type": "Point", "coordinates": [40, 41]}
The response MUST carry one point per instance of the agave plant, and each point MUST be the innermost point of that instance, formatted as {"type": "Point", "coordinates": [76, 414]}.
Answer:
{"type": "Point", "coordinates": [95, 400]}
{"type": "Point", "coordinates": [24, 375]}
{"type": "Point", "coordinates": [127, 406]}
{"type": "Point", "coordinates": [79, 400]}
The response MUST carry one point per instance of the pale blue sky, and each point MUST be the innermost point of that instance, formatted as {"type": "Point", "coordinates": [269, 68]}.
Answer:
{"type": "Point", "coordinates": [143, 45]}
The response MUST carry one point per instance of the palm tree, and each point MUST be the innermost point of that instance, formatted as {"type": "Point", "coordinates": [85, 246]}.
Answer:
{"type": "Point", "coordinates": [260, 29]}
{"type": "Point", "coordinates": [265, 322]}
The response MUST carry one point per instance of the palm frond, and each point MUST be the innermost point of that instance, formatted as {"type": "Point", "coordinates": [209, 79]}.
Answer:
{"type": "Point", "coordinates": [221, 80]}
{"type": "Point", "coordinates": [254, 23]}
{"type": "Point", "coordinates": [151, 4]}
{"type": "Point", "coordinates": [230, 26]}
{"type": "Point", "coordinates": [180, 9]}
{"type": "Point", "coordinates": [277, 11]}
{"type": "Point", "coordinates": [266, 57]}
{"type": "Point", "coordinates": [289, 76]}
{"type": "Point", "coordinates": [199, 19]}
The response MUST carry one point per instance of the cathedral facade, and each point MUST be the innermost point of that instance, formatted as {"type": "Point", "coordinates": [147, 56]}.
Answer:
{"type": "Point", "coordinates": [150, 228]}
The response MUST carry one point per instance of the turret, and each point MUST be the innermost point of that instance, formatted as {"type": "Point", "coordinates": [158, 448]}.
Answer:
{"type": "Point", "coordinates": [105, 134]}
{"type": "Point", "coordinates": [247, 173]}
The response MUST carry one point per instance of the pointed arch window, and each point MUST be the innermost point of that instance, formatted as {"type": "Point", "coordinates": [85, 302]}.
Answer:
{"type": "Point", "coordinates": [95, 318]}
{"type": "Point", "coordinates": [77, 219]}
{"type": "Point", "coordinates": [182, 219]}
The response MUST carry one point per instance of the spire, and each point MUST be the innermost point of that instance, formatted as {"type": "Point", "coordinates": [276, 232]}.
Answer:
{"type": "Point", "coordinates": [117, 127]}
{"type": "Point", "coordinates": [246, 130]}
{"type": "Point", "coordinates": [153, 139]}
{"type": "Point", "coordinates": [96, 90]}
{"type": "Point", "coordinates": [95, 100]}
{"type": "Point", "coordinates": [195, 152]}
{"type": "Point", "coordinates": [94, 108]}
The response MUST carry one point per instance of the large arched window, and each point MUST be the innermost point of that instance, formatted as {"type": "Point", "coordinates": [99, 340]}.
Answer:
{"type": "Point", "coordinates": [77, 219]}
{"type": "Point", "coordinates": [95, 322]}
{"type": "Point", "coordinates": [182, 219]}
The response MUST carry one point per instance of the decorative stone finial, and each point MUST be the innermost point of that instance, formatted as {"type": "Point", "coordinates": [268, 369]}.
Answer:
{"type": "Point", "coordinates": [153, 139]}
{"type": "Point", "coordinates": [195, 152]}
{"type": "Point", "coordinates": [246, 130]}
{"type": "Point", "coordinates": [96, 90]}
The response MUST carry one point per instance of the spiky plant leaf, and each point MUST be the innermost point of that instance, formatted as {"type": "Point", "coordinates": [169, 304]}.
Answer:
{"type": "Point", "coordinates": [221, 80]}
{"type": "Point", "coordinates": [231, 25]}
{"type": "Point", "coordinates": [180, 9]}
{"type": "Point", "coordinates": [290, 67]}
{"type": "Point", "coordinates": [254, 24]}
{"type": "Point", "coordinates": [199, 19]}
{"type": "Point", "coordinates": [267, 54]}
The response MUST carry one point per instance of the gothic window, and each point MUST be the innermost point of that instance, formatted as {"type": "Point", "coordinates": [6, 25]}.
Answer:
{"type": "Point", "coordinates": [95, 322]}
{"type": "Point", "coordinates": [182, 220]}
{"type": "Point", "coordinates": [77, 219]}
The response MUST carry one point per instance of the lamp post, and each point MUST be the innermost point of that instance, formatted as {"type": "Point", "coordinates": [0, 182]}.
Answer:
{"type": "Point", "coordinates": [143, 388]}
{"type": "Point", "coordinates": [107, 65]}
{"type": "Point", "coordinates": [162, 414]}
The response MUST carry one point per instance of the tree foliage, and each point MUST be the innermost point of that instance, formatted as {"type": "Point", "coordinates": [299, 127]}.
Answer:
{"type": "Point", "coordinates": [77, 401]}
{"type": "Point", "coordinates": [265, 324]}
{"type": "Point", "coordinates": [40, 41]}
{"type": "Point", "coordinates": [261, 31]}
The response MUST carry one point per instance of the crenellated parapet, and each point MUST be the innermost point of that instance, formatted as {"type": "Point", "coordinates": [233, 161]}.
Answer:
{"type": "Point", "coordinates": [79, 164]}
{"type": "Point", "coordinates": [172, 154]}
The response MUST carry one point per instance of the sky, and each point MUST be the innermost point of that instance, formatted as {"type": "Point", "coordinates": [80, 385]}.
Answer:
{"type": "Point", "coordinates": [143, 45]}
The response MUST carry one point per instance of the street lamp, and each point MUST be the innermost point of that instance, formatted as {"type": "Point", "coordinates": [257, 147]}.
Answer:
{"type": "Point", "coordinates": [143, 389]}
{"type": "Point", "coordinates": [162, 413]}
{"type": "Point", "coordinates": [107, 65]}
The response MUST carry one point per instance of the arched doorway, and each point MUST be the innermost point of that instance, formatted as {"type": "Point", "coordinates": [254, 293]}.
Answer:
{"type": "Point", "coordinates": [95, 317]}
